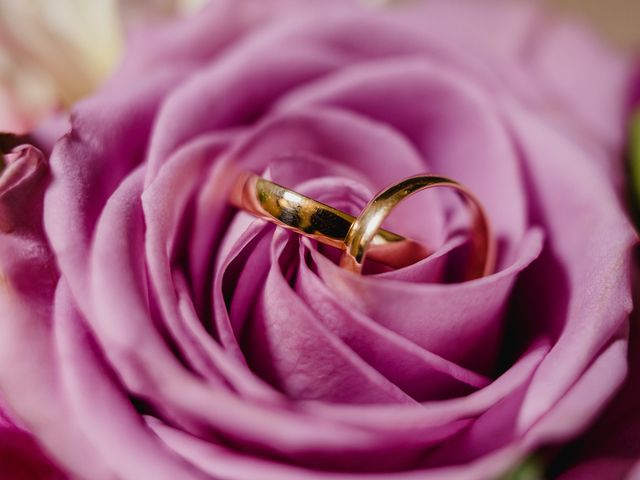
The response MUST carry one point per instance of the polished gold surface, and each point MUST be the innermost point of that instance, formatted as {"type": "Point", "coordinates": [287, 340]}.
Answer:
{"type": "Point", "coordinates": [319, 221]}
{"type": "Point", "coordinates": [359, 241]}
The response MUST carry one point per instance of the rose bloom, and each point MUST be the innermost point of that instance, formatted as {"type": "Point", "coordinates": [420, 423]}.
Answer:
{"type": "Point", "coordinates": [610, 449]}
{"type": "Point", "coordinates": [151, 331]}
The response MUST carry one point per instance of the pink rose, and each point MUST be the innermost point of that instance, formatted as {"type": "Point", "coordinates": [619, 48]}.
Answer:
{"type": "Point", "coordinates": [610, 448]}
{"type": "Point", "coordinates": [151, 331]}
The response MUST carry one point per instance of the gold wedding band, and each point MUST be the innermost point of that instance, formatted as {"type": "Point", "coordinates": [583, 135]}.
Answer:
{"type": "Point", "coordinates": [313, 219]}
{"type": "Point", "coordinates": [363, 236]}
{"type": "Point", "coordinates": [359, 239]}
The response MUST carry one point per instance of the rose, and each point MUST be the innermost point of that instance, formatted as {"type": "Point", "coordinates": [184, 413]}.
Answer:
{"type": "Point", "coordinates": [149, 331]}
{"type": "Point", "coordinates": [610, 449]}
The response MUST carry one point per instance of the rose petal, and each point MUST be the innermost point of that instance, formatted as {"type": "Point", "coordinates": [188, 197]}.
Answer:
{"type": "Point", "coordinates": [90, 162]}
{"type": "Point", "coordinates": [594, 252]}
{"type": "Point", "coordinates": [460, 311]}
{"type": "Point", "coordinates": [28, 369]}
{"type": "Point", "coordinates": [102, 409]}
{"type": "Point", "coordinates": [21, 183]}
{"type": "Point", "coordinates": [421, 374]}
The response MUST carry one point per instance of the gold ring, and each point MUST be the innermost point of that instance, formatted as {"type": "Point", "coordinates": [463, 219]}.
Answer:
{"type": "Point", "coordinates": [328, 225]}
{"type": "Point", "coordinates": [359, 241]}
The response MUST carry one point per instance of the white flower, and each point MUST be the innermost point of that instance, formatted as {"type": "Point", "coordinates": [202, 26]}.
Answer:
{"type": "Point", "coordinates": [54, 52]}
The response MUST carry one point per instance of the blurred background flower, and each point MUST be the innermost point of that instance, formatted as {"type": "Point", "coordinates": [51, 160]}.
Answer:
{"type": "Point", "coordinates": [53, 53]}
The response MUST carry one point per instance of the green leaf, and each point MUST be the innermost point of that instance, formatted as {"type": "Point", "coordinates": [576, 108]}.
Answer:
{"type": "Point", "coordinates": [530, 469]}
{"type": "Point", "coordinates": [634, 165]}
